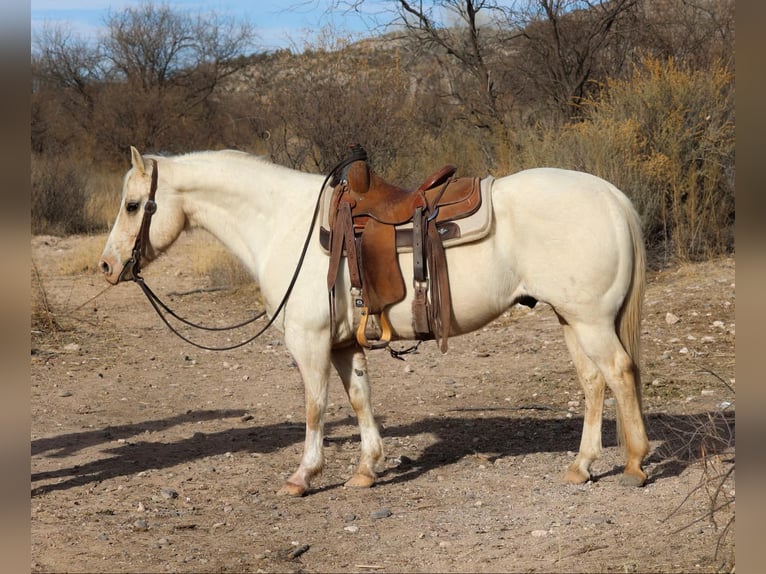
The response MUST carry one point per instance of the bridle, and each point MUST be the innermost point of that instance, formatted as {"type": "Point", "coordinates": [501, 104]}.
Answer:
{"type": "Point", "coordinates": [132, 267]}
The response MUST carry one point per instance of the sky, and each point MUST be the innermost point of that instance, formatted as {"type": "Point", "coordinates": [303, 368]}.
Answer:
{"type": "Point", "coordinates": [277, 23]}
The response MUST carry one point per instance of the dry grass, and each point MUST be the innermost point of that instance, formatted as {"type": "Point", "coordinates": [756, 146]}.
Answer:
{"type": "Point", "coordinates": [83, 257]}
{"type": "Point", "coordinates": [212, 260]}
{"type": "Point", "coordinates": [103, 189]}
{"type": "Point", "coordinates": [43, 321]}
{"type": "Point", "coordinates": [708, 439]}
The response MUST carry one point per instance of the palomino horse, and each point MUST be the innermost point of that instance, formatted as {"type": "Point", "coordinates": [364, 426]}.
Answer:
{"type": "Point", "coordinates": [569, 239]}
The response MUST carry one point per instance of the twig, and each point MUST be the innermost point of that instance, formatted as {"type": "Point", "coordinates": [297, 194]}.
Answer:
{"type": "Point", "coordinates": [717, 376]}
{"type": "Point", "coordinates": [193, 291]}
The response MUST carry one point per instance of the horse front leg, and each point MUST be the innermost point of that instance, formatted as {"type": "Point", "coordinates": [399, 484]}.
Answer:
{"type": "Point", "coordinates": [313, 360]}
{"type": "Point", "coordinates": [351, 364]}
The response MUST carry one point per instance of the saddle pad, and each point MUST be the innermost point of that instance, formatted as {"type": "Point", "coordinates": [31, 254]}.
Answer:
{"type": "Point", "coordinates": [471, 228]}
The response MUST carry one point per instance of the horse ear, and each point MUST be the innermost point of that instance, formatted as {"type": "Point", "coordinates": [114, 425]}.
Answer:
{"type": "Point", "coordinates": [137, 160]}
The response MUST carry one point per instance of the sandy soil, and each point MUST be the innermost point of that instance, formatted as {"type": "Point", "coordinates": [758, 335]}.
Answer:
{"type": "Point", "coordinates": [149, 455]}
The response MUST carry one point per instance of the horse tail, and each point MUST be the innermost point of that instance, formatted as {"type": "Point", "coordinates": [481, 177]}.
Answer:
{"type": "Point", "coordinates": [628, 321]}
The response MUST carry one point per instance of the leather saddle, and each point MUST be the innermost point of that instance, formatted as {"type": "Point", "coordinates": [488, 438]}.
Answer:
{"type": "Point", "coordinates": [366, 217]}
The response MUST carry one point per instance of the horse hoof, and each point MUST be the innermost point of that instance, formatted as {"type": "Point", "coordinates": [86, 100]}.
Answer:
{"type": "Point", "coordinates": [291, 489]}
{"type": "Point", "coordinates": [633, 479]}
{"type": "Point", "coordinates": [361, 481]}
{"type": "Point", "coordinates": [576, 476]}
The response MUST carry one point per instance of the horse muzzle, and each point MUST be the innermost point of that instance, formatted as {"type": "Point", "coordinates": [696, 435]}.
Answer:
{"type": "Point", "coordinates": [127, 273]}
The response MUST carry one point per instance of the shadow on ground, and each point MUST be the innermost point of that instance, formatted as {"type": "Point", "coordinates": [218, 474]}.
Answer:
{"type": "Point", "coordinates": [682, 439]}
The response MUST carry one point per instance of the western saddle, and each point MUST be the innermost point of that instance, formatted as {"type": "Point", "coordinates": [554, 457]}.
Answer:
{"type": "Point", "coordinates": [365, 219]}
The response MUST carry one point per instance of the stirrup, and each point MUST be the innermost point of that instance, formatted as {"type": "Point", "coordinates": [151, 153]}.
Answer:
{"type": "Point", "coordinates": [385, 327]}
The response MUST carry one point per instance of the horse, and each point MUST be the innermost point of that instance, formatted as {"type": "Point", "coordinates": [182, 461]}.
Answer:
{"type": "Point", "coordinates": [569, 239]}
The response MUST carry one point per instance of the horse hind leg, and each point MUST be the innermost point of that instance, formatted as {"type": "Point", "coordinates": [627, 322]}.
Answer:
{"type": "Point", "coordinates": [593, 384]}
{"type": "Point", "coordinates": [603, 348]}
{"type": "Point", "coordinates": [351, 364]}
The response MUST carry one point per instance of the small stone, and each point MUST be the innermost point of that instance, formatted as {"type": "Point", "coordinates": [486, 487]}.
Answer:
{"type": "Point", "coordinates": [65, 394]}
{"type": "Point", "coordinates": [350, 517]}
{"type": "Point", "coordinates": [382, 513]}
{"type": "Point", "coordinates": [707, 392]}
{"type": "Point", "coordinates": [683, 351]}
{"type": "Point", "coordinates": [671, 319]}
{"type": "Point", "coordinates": [246, 418]}
{"type": "Point", "coordinates": [141, 525]}
{"type": "Point", "coordinates": [610, 402]}
{"type": "Point", "coordinates": [539, 533]}
{"type": "Point", "coordinates": [168, 493]}
{"type": "Point", "coordinates": [162, 542]}
{"type": "Point", "coordinates": [353, 528]}
{"type": "Point", "coordinates": [72, 347]}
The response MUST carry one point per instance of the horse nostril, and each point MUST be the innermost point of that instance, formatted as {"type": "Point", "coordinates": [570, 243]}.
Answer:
{"type": "Point", "coordinates": [106, 268]}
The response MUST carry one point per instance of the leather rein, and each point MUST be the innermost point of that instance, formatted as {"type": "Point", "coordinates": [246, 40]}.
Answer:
{"type": "Point", "coordinates": [132, 271]}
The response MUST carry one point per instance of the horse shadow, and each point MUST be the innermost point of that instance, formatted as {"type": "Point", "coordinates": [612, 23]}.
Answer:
{"type": "Point", "coordinates": [682, 439]}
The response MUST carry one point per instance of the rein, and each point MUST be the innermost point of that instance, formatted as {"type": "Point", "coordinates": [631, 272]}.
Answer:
{"type": "Point", "coordinates": [132, 271]}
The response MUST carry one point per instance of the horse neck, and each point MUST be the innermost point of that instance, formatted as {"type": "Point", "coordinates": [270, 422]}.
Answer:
{"type": "Point", "coordinates": [248, 204]}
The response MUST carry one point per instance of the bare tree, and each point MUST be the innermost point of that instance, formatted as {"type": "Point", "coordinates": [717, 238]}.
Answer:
{"type": "Point", "coordinates": [695, 32]}
{"type": "Point", "coordinates": [569, 47]}
{"type": "Point", "coordinates": [171, 63]}
{"type": "Point", "coordinates": [150, 79]}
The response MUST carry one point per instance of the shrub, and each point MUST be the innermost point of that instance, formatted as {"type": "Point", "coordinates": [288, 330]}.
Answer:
{"type": "Point", "coordinates": [59, 193]}
{"type": "Point", "coordinates": [666, 138]}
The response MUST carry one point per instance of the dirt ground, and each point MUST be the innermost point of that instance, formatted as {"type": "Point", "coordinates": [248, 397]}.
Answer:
{"type": "Point", "coordinates": [149, 455]}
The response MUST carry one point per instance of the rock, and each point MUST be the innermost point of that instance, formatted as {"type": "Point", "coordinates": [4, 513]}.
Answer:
{"type": "Point", "coordinates": [349, 517]}
{"type": "Point", "coordinates": [382, 513]}
{"type": "Point", "coordinates": [141, 525]}
{"type": "Point", "coordinates": [671, 319]}
{"type": "Point", "coordinates": [168, 493]}
{"type": "Point", "coordinates": [539, 533]}
{"type": "Point", "coordinates": [65, 394]}
{"type": "Point", "coordinates": [353, 528]}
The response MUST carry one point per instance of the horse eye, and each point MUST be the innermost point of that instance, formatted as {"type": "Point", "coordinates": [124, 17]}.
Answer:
{"type": "Point", "coordinates": [132, 206]}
